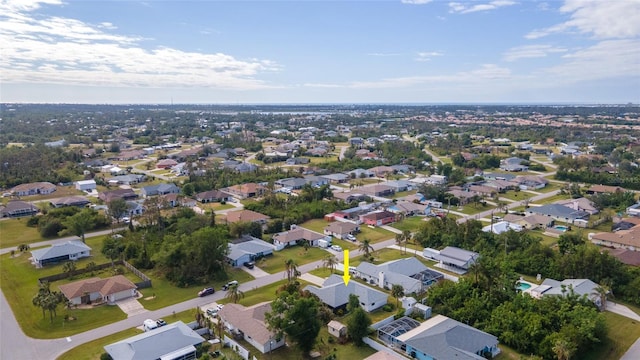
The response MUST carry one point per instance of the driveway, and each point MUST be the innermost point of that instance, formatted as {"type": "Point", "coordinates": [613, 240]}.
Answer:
{"type": "Point", "coordinates": [256, 272]}
{"type": "Point", "coordinates": [622, 310]}
{"type": "Point", "coordinates": [131, 307]}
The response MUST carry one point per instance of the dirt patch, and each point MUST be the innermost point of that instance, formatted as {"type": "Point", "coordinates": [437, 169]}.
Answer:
{"type": "Point", "coordinates": [150, 298]}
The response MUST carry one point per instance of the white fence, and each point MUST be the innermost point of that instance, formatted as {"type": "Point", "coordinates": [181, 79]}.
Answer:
{"type": "Point", "coordinates": [244, 353]}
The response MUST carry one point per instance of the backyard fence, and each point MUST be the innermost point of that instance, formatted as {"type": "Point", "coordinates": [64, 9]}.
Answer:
{"type": "Point", "coordinates": [145, 283]}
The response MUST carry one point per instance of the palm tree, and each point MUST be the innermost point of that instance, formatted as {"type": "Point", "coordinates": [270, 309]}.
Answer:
{"type": "Point", "coordinates": [397, 291]}
{"type": "Point", "coordinates": [366, 248]}
{"type": "Point", "coordinates": [563, 349]}
{"type": "Point", "coordinates": [602, 291]}
{"type": "Point", "coordinates": [330, 262]}
{"type": "Point", "coordinates": [234, 294]}
{"type": "Point", "coordinates": [400, 240]}
{"type": "Point", "coordinates": [69, 268]}
{"type": "Point", "coordinates": [292, 270]}
{"type": "Point", "coordinates": [406, 234]}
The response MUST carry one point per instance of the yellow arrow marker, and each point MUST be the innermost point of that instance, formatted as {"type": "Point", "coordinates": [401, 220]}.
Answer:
{"type": "Point", "coordinates": [345, 273]}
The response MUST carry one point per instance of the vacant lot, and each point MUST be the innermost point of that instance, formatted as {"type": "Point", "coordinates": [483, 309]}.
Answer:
{"type": "Point", "coordinates": [14, 232]}
{"type": "Point", "coordinates": [276, 263]}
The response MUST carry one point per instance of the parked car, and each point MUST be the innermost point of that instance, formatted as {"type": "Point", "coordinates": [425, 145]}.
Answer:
{"type": "Point", "coordinates": [336, 248]}
{"type": "Point", "coordinates": [249, 264]}
{"type": "Point", "coordinates": [350, 237]}
{"type": "Point", "coordinates": [161, 322]}
{"type": "Point", "coordinates": [226, 286]}
{"type": "Point", "coordinates": [213, 312]}
{"type": "Point", "coordinates": [206, 291]}
{"type": "Point", "coordinates": [149, 325]}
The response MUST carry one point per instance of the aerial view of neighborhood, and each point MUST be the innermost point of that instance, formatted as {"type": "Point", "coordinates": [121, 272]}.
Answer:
{"type": "Point", "coordinates": [320, 180]}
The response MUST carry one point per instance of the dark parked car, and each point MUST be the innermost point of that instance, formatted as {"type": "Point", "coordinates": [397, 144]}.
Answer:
{"type": "Point", "coordinates": [249, 264]}
{"type": "Point", "coordinates": [206, 291]}
{"type": "Point", "coordinates": [161, 322]}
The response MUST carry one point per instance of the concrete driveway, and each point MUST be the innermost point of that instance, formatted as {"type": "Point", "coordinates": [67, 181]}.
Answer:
{"type": "Point", "coordinates": [256, 272]}
{"type": "Point", "coordinates": [131, 307]}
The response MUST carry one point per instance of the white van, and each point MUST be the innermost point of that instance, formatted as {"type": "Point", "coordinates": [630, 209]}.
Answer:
{"type": "Point", "coordinates": [149, 325]}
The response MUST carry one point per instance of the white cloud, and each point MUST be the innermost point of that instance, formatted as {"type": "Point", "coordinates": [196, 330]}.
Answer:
{"type": "Point", "coordinates": [384, 54]}
{"type": "Point", "coordinates": [531, 51]}
{"type": "Point", "coordinates": [47, 49]}
{"type": "Point", "coordinates": [427, 55]}
{"type": "Point", "coordinates": [605, 60]}
{"type": "Point", "coordinates": [603, 19]}
{"type": "Point", "coordinates": [415, 2]}
{"type": "Point", "coordinates": [456, 7]}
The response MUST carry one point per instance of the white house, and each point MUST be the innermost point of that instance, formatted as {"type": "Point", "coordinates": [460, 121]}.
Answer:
{"type": "Point", "coordinates": [71, 250]}
{"type": "Point", "coordinates": [249, 323]}
{"type": "Point", "coordinates": [86, 185]}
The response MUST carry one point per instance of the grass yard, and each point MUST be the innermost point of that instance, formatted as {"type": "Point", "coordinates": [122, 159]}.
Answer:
{"type": "Point", "coordinates": [550, 187]}
{"type": "Point", "coordinates": [471, 209]}
{"type": "Point", "coordinates": [507, 353]}
{"type": "Point", "coordinates": [622, 332]}
{"type": "Point", "coordinates": [403, 194]}
{"type": "Point", "coordinates": [215, 206]}
{"type": "Point", "coordinates": [163, 293]}
{"type": "Point", "coordinates": [61, 191]}
{"type": "Point", "coordinates": [516, 195]}
{"type": "Point", "coordinates": [344, 244]}
{"type": "Point", "coordinates": [14, 232]}
{"type": "Point", "coordinates": [19, 282]}
{"type": "Point", "coordinates": [554, 198]}
{"type": "Point", "coordinates": [374, 234]}
{"type": "Point", "coordinates": [265, 293]}
{"type": "Point", "coordinates": [316, 225]}
{"type": "Point", "coordinates": [412, 223]}
{"type": "Point", "coordinates": [323, 272]}
{"type": "Point", "coordinates": [93, 349]}
{"type": "Point", "coordinates": [380, 256]}
{"type": "Point", "coordinates": [275, 263]}
{"type": "Point", "coordinates": [546, 239]}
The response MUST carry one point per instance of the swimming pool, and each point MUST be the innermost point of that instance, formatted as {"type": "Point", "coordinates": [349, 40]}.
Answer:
{"type": "Point", "coordinates": [523, 286]}
{"type": "Point", "coordinates": [561, 228]}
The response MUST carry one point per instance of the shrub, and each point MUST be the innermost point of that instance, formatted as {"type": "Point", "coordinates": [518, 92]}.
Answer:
{"type": "Point", "coordinates": [105, 356]}
{"type": "Point", "coordinates": [33, 221]}
{"type": "Point", "coordinates": [387, 307]}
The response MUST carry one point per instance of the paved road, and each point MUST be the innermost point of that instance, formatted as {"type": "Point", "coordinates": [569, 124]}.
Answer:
{"type": "Point", "coordinates": [512, 205]}
{"type": "Point", "coordinates": [14, 344]}
{"type": "Point", "coordinates": [62, 240]}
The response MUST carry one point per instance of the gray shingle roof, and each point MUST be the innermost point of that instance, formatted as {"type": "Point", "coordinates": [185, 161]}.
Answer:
{"type": "Point", "coordinates": [335, 294]}
{"type": "Point", "coordinates": [57, 250]}
{"type": "Point", "coordinates": [559, 211]}
{"type": "Point", "coordinates": [156, 343]}
{"type": "Point", "coordinates": [252, 247]}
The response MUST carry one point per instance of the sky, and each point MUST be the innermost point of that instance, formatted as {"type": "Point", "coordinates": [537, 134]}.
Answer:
{"type": "Point", "coordinates": [384, 51]}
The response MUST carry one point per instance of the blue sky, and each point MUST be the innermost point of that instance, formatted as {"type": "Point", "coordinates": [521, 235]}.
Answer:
{"type": "Point", "coordinates": [403, 51]}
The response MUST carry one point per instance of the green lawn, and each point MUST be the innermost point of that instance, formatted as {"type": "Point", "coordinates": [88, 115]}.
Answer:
{"type": "Point", "coordinates": [263, 294]}
{"type": "Point", "coordinates": [622, 333]}
{"type": "Point", "coordinates": [316, 225]}
{"type": "Point", "coordinates": [344, 244]}
{"type": "Point", "coordinates": [412, 223]}
{"type": "Point", "coordinates": [14, 232]}
{"type": "Point", "coordinates": [550, 187]}
{"type": "Point", "coordinates": [380, 256]}
{"type": "Point", "coordinates": [95, 348]}
{"type": "Point", "coordinates": [163, 293]}
{"type": "Point", "coordinates": [554, 198]}
{"type": "Point", "coordinates": [275, 263]}
{"type": "Point", "coordinates": [546, 239]}
{"type": "Point", "coordinates": [516, 195]}
{"type": "Point", "coordinates": [215, 206]}
{"type": "Point", "coordinates": [374, 234]}
{"type": "Point", "coordinates": [403, 194]}
{"type": "Point", "coordinates": [19, 282]}
{"type": "Point", "coordinates": [323, 272]}
{"type": "Point", "coordinates": [471, 209]}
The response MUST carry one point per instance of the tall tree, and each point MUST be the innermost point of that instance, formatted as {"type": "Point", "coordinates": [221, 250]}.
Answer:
{"type": "Point", "coordinates": [79, 223]}
{"type": "Point", "coordinates": [297, 317]}
{"type": "Point", "coordinates": [117, 208]}
{"type": "Point", "coordinates": [291, 269]}
{"type": "Point", "coordinates": [366, 248]}
{"type": "Point", "coordinates": [330, 262]}
{"type": "Point", "coordinates": [358, 326]}
{"type": "Point", "coordinates": [112, 248]}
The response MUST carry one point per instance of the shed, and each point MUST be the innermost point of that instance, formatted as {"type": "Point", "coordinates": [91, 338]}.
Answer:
{"type": "Point", "coordinates": [337, 328]}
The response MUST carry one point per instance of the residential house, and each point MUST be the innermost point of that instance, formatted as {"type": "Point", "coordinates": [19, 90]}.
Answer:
{"type": "Point", "coordinates": [335, 294]}
{"type": "Point", "coordinates": [297, 161]}
{"type": "Point", "coordinates": [382, 171]}
{"type": "Point", "coordinates": [579, 287]}
{"type": "Point", "coordinates": [340, 229]}
{"type": "Point", "coordinates": [407, 208]}
{"type": "Point", "coordinates": [160, 189]}
{"type": "Point", "coordinates": [348, 196]}
{"type": "Point", "coordinates": [410, 273]}
{"type": "Point", "coordinates": [360, 173]}
{"type": "Point", "coordinates": [95, 289]}
{"type": "Point", "coordinates": [134, 208]}
{"type": "Point", "coordinates": [625, 256]}
{"type": "Point", "coordinates": [378, 218]}
{"type": "Point", "coordinates": [634, 210]}
{"type": "Point", "coordinates": [403, 169]}
{"type": "Point", "coordinates": [561, 213]}
{"type": "Point", "coordinates": [131, 155]}
{"type": "Point", "coordinates": [604, 189]}
{"type": "Point", "coordinates": [174, 200]}
{"type": "Point", "coordinates": [250, 324]}
{"type": "Point", "coordinates": [582, 204]}
{"type": "Point", "coordinates": [400, 185]}
{"type": "Point", "coordinates": [246, 216]}
{"type": "Point", "coordinates": [212, 196]}
{"type": "Point", "coordinates": [513, 164]}
{"type": "Point", "coordinates": [36, 188]}
{"type": "Point", "coordinates": [498, 176]}
{"type": "Point", "coordinates": [482, 190]}
{"type": "Point", "coordinates": [79, 201]}
{"type": "Point", "coordinates": [86, 185]}
{"type": "Point", "coordinates": [295, 235]}
{"type": "Point", "coordinates": [530, 222]}
{"type": "Point", "coordinates": [128, 179]}
{"type": "Point", "coordinates": [248, 248]}
{"type": "Point", "coordinates": [456, 259]}
{"type": "Point", "coordinates": [126, 194]}
{"type": "Point", "coordinates": [245, 191]}
{"type": "Point", "coordinates": [166, 164]}
{"type": "Point", "coordinates": [356, 141]}
{"type": "Point", "coordinates": [378, 190]}
{"type": "Point", "coordinates": [17, 208]}
{"type": "Point", "coordinates": [622, 239]}
{"type": "Point", "coordinates": [175, 341]}
{"type": "Point", "coordinates": [70, 250]}
{"type": "Point", "coordinates": [337, 329]}
{"type": "Point", "coordinates": [443, 338]}
{"type": "Point", "coordinates": [531, 182]}
{"type": "Point", "coordinates": [336, 178]}
{"type": "Point", "coordinates": [292, 183]}
{"type": "Point", "coordinates": [502, 226]}
{"type": "Point", "coordinates": [501, 185]}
